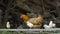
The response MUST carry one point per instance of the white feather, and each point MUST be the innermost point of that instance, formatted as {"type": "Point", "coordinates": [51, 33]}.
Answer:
{"type": "Point", "coordinates": [29, 24]}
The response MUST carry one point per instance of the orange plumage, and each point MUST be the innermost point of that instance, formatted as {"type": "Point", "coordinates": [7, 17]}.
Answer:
{"type": "Point", "coordinates": [24, 17]}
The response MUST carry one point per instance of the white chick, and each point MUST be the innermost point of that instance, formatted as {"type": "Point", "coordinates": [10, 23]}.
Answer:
{"type": "Point", "coordinates": [51, 25]}
{"type": "Point", "coordinates": [8, 25]}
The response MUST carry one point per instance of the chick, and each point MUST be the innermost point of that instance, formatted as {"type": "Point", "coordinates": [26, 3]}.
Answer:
{"type": "Point", "coordinates": [8, 25]}
{"type": "Point", "coordinates": [51, 25]}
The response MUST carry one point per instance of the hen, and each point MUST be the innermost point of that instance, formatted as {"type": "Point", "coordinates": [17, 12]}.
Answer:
{"type": "Point", "coordinates": [33, 22]}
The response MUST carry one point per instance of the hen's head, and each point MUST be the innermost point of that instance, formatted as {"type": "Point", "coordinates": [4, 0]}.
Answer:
{"type": "Point", "coordinates": [24, 17]}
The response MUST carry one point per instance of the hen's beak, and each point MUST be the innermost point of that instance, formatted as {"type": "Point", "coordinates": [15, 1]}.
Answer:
{"type": "Point", "coordinates": [24, 17]}
{"type": "Point", "coordinates": [21, 16]}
